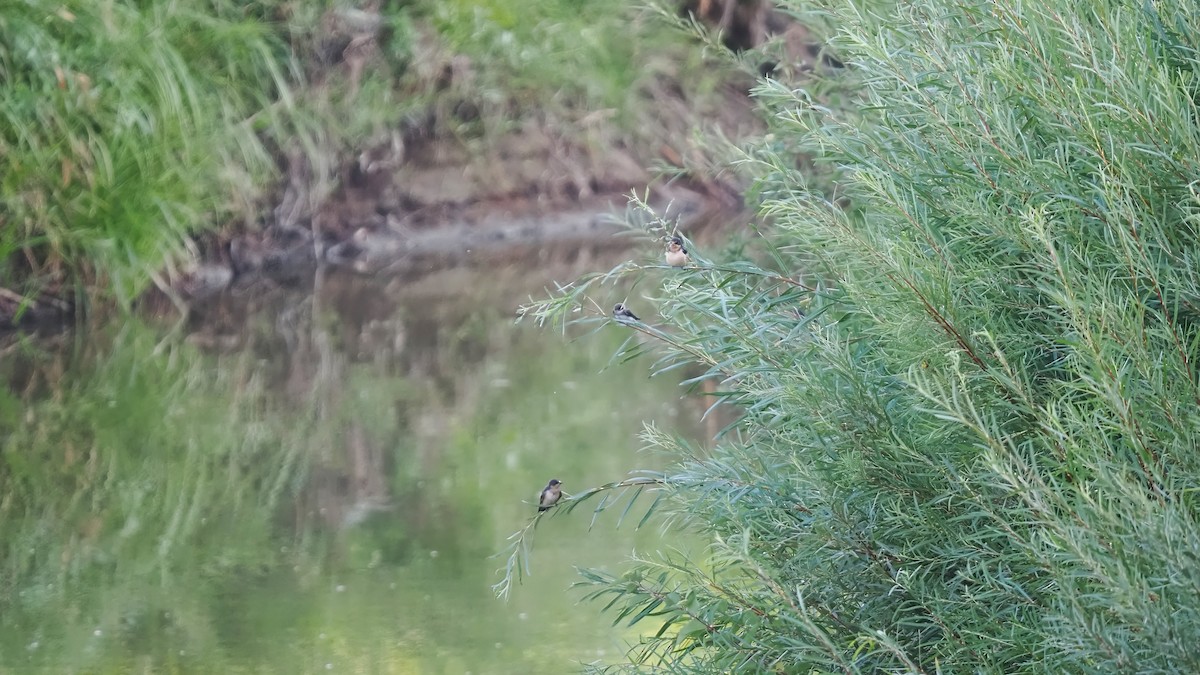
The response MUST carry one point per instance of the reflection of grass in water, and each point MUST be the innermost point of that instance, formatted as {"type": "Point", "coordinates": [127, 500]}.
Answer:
{"type": "Point", "coordinates": [169, 499]}
{"type": "Point", "coordinates": [136, 461]}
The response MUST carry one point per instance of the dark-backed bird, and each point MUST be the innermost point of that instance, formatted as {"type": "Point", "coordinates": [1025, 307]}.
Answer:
{"type": "Point", "coordinates": [677, 253]}
{"type": "Point", "coordinates": [550, 495]}
{"type": "Point", "coordinates": [622, 313]}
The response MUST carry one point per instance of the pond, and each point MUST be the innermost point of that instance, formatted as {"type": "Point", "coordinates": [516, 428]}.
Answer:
{"type": "Point", "coordinates": [314, 480]}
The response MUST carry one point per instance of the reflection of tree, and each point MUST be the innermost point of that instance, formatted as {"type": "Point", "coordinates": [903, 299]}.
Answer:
{"type": "Point", "coordinates": [382, 380]}
{"type": "Point", "coordinates": [149, 491]}
{"type": "Point", "coordinates": [347, 483]}
{"type": "Point", "coordinates": [144, 484]}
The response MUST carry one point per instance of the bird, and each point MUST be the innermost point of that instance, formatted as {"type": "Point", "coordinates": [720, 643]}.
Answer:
{"type": "Point", "coordinates": [621, 313]}
{"type": "Point", "coordinates": [677, 254]}
{"type": "Point", "coordinates": [550, 495]}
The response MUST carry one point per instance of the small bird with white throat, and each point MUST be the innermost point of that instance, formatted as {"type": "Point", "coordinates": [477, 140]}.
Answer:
{"type": "Point", "coordinates": [550, 495]}
{"type": "Point", "coordinates": [677, 253]}
{"type": "Point", "coordinates": [622, 314]}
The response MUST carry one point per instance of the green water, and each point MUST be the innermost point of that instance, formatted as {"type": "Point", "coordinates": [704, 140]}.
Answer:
{"type": "Point", "coordinates": [311, 483]}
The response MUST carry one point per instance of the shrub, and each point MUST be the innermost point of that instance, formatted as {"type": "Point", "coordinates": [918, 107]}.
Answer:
{"type": "Point", "coordinates": [970, 396]}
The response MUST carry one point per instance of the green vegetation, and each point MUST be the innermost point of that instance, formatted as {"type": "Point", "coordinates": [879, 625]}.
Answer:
{"type": "Point", "coordinates": [575, 64]}
{"type": "Point", "coordinates": [126, 129]}
{"type": "Point", "coordinates": [123, 129]}
{"type": "Point", "coordinates": [971, 404]}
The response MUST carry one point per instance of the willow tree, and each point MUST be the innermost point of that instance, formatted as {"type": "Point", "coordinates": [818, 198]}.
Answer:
{"type": "Point", "coordinates": [965, 356]}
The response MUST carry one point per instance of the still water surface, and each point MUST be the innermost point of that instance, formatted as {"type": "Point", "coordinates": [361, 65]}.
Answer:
{"type": "Point", "coordinates": [312, 482]}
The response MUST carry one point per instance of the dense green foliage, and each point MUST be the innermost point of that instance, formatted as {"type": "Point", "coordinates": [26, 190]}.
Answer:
{"type": "Point", "coordinates": [969, 438]}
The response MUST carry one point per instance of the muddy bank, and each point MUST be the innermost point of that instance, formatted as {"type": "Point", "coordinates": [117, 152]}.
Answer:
{"type": "Point", "coordinates": [412, 205]}
{"type": "Point", "coordinates": [493, 237]}
{"type": "Point", "coordinates": [438, 237]}
{"type": "Point", "coordinates": [485, 234]}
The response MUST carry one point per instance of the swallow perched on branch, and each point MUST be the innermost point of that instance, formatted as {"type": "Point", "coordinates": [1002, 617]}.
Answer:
{"type": "Point", "coordinates": [677, 254]}
{"type": "Point", "coordinates": [550, 495]}
{"type": "Point", "coordinates": [621, 313]}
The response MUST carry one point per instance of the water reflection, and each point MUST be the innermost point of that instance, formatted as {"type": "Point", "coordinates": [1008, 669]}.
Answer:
{"type": "Point", "coordinates": [312, 484]}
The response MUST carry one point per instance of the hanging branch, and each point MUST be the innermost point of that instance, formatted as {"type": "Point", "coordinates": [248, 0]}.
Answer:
{"type": "Point", "coordinates": [516, 566]}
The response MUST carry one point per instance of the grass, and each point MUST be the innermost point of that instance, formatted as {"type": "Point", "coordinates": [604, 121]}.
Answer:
{"type": "Point", "coordinates": [564, 58]}
{"type": "Point", "coordinates": [124, 130]}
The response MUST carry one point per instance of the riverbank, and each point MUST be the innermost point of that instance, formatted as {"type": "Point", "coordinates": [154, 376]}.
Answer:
{"type": "Point", "coordinates": [393, 140]}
